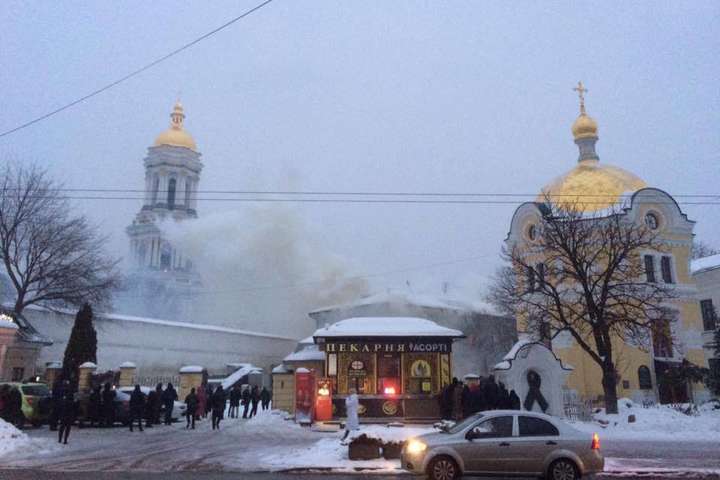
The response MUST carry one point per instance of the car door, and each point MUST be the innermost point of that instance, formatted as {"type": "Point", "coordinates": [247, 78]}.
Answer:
{"type": "Point", "coordinates": [486, 449]}
{"type": "Point", "coordinates": [537, 438]}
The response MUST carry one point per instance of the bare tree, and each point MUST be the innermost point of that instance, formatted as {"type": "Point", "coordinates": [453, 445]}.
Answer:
{"type": "Point", "coordinates": [585, 275]}
{"type": "Point", "coordinates": [700, 250]}
{"type": "Point", "coordinates": [52, 257]}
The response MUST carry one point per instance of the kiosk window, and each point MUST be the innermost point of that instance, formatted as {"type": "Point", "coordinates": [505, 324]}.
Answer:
{"type": "Point", "coordinates": [388, 374]}
{"type": "Point", "coordinates": [420, 377]}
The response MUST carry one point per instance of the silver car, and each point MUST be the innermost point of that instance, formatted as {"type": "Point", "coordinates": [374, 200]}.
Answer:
{"type": "Point", "coordinates": [505, 442]}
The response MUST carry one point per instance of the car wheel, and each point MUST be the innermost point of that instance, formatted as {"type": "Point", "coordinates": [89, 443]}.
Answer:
{"type": "Point", "coordinates": [563, 469]}
{"type": "Point", "coordinates": [443, 468]}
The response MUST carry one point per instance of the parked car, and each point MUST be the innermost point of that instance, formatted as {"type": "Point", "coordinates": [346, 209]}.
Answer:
{"type": "Point", "coordinates": [178, 407]}
{"type": "Point", "coordinates": [36, 402]}
{"type": "Point", "coordinates": [505, 442]}
{"type": "Point", "coordinates": [122, 408]}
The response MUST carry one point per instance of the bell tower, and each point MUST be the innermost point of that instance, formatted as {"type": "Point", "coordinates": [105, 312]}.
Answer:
{"type": "Point", "coordinates": [159, 270]}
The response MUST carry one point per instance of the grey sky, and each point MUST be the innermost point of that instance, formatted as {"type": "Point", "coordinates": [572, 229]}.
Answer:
{"type": "Point", "coordinates": [371, 96]}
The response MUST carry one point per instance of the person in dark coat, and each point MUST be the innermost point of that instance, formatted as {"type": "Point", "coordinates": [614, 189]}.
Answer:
{"type": "Point", "coordinates": [246, 401]}
{"type": "Point", "coordinates": [151, 403]}
{"type": "Point", "coordinates": [255, 399]}
{"type": "Point", "coordinates": [157, 404]}
{"type": "Point", "coordinates": [58, 393]}
{"type": "Point", "coordinates": [108, 405]}
{"type": "Point", "coordinates": [514, 400]}
{"type": "Point", "coordinates": [503, 397]}
{"type": "Point", "coordinates": [3, 401]}
{"type": "Point", "coordinates": [208, 403]}
{"type": "Point", "coordinates": [95, 406]}
{"type": "Point", "coordinates": [191, 405]}
{"type": "Point", "coordinates": [491, 393]}
{"type": "Point", "coordinates": [66, 416]}
{"type": "Point", "coordinates": [265, 398]}
{"type": "Point", "coordinates": [234, 401]}
{"type": "Point", "coordinates": [218, 407]}
{"type": "Point", "coordinates": [14, 407]}
{"type": "Point", "coordinates": [169, 396]}
{"type": "Point", "coordinates": [137, 407]}
{"type": "Point", "coordinates": [445, 401]}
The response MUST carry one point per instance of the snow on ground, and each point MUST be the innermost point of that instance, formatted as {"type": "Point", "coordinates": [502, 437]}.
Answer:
{"type": "Point", "coordinates": [658, 422]}
{"type": "Point", "coordinates": [11, 438]}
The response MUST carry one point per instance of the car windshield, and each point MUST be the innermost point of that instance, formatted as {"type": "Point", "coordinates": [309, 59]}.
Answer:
{"type": "Point", "coordinates": [465, 423]}
{"type": "Point", "coordinates": [35, 390]}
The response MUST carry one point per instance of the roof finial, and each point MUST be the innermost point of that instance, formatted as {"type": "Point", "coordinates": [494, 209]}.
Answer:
{"type": "Point", "coordinates": [581, 93]}
{"type": "Point", "coordinates": [177, 116]}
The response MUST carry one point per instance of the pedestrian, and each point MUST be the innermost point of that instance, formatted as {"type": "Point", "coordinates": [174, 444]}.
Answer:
{"type": "Point", "coordinates": [137, 407]}
{"type": "Point", "coordinates": [108, 405]}
{"type": "Point", "coordinates": [191, 405]}
{"type": "Point", "coordinates": [351, 411]}
{"type": "Point", "coordinates": [208, 403]}
{"type": "Point", "coordinates": [202, 401]}
{"type": "Point", "coordinates": [66, 416]}
{"type": "Point", "coordinates": [58, 393]}
{"type": "Point", "coordinates": [3, 401]}
{"type": "Point", "coordinates": [157, 404]}
{"type": "Point", "coordinates": [169, 396]}
{"type": "Point", "coordinates": [491, 393]}
{"type": "Point", "coordinates": [457, 390]}
{"type": "Point", "coordinates": [151, 402]}
{"type": "Point", "coordinates": [218, 407]}
{"type": "Point", "coordinates": [234, 401]}
{"type": "Point", "coordinates": [265, 398]}
{"type": "Point", "coordinates": [95, 406]}
{"type": "Point", "coordinates": [254, 398]}
{"type": "Point", "coordinates": [503, 397]}
{"type": "Point", "coordinates": [445, 401]}
{"type": "Point", "coordinates": [246, 400]}
{"type": "Point", "coordinates": [14, 407]}
{"type": "Point", "coordinates": [514, 400]}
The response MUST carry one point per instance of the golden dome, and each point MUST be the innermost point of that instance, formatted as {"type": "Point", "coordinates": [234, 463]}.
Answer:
{"type": "Point", "coordinates": [592, 186]}
{"type": "Point", "coordinates": [585, 127]}
{"type": "Point", "coordinates": [176, 135]}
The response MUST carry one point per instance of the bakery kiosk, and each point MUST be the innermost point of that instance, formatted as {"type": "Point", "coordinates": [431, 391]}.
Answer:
{"type": "Point", "coordinates": [397, 365]}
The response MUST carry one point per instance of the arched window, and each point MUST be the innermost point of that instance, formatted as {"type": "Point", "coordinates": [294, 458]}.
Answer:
{"type": "Point", "coordinates": [644, 378]}
{"type": "Point", "coordinates": [165, 256]}
{"type": "Point", "coordinates": [187, 192]}
{"type": "Point", "coordinates": [171, 193]}
{"type": "Point", "coordinates": [155, 187]}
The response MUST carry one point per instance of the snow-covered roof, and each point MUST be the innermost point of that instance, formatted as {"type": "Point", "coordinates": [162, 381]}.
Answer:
{"type": "Point", "coordinates": [235, 377]}
{"type": "Point", "coordinates": [307, 341]}
{"type": "Point", "coordinates": [169, 323]}
{"type": "Point", "coordinates": [55, 364]}
{"type": "Point", "coordinates": [6, 321]}
{"type": "Point", "coordinates": [128, 365]}
{"type": "Point", "coordinates": [302, 370]}
{"type": "Point", "coordinates": [386, 327]}
{"type": "Point", "coordinates": [88, 365]}
{"type": "Point", "coordinates": [281, 369]}
{"type": "Point", "coordinates": [706, 263]}
{"type": "Point", "coordinates": [191, 369]}
{"type": "Point", "coordinates": [420, 300]}
{"type": "Point", "coordinates": [307, 354]}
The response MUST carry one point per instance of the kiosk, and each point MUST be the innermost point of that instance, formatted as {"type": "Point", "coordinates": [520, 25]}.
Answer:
{"type": "Point", "coordinates": [397, 365]}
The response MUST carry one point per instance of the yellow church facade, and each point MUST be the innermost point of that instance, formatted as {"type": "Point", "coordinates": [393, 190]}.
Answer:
{"type": "Point", "coordinates": [598, 187]}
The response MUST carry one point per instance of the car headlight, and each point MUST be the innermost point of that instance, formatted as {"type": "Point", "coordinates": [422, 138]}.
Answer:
{"type": "Point", "coordinates": [415, 446]}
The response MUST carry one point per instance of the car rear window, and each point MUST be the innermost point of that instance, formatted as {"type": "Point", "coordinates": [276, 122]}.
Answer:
{"type": "Point", "coordinates": [536, 427]}
{"type": "Point", "coordinates": [35, 390]}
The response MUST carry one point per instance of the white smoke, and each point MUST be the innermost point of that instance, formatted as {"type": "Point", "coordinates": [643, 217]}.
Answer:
{"type": "Point", "coordinates": [263, 269]}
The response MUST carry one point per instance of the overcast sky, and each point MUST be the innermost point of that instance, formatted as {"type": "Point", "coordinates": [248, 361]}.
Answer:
{"type": "Point", "coordinates": [370, 96]}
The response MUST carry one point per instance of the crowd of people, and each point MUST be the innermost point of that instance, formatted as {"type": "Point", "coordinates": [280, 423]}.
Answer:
{"type": "Point", "coordinates": [459, 400]}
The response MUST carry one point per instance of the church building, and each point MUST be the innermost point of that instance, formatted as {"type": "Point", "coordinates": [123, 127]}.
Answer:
{"type": "Point", "coordinates": [601, 191]}
{"type": "Point", "coordinates": [162, 275]}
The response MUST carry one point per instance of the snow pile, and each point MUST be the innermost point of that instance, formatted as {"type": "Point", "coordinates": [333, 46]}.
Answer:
{"type": "Point", "coordinates": [238, 374]}
{"type": "Point", "coordinates": [11, 438]}
{"type": "Point", "coordinates": [658, 422]}
{"type": "Point", "coordinates": [388, 434]}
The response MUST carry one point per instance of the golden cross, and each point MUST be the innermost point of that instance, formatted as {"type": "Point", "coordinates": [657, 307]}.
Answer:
{"type": "Point", "coordinates": [581, 93]}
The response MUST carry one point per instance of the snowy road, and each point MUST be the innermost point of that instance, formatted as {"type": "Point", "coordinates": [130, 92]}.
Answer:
{"type": "Point", "coordinates": [270, 443]}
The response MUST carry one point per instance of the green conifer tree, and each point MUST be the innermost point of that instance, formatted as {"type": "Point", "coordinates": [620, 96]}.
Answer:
{"type": "Point", "coordinates": [713, 378]}
{"type": "Point", "coordinates": [82, 345]}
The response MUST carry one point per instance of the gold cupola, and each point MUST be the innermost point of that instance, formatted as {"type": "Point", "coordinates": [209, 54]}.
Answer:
{"type": "Point", "coordinates": [590, 186]}
{"type": "Point", "coordinates": [176, 135]}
